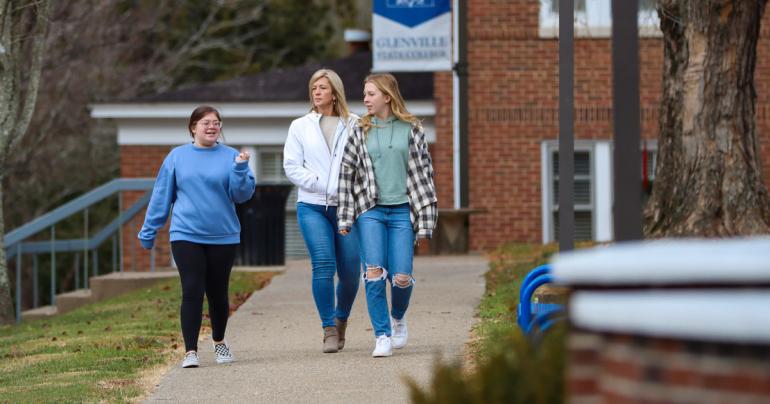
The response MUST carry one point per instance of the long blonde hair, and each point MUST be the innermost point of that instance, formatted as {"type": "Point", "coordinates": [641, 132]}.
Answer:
{"type": "Point", "coordinates": [340, 106]}
{"type": "Point", "coordinates": [387, 84]}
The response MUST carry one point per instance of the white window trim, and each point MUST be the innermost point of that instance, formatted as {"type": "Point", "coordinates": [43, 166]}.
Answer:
{"type": "Point", "coordinates": [603, 231]}
{"type": "Point", "coordinates": [594, 22]}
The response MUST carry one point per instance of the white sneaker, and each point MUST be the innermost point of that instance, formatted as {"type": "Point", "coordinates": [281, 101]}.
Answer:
{"type": "Point", "coordinates": [222, 353]}
{"type": "Point", "coordinates": [400, 333]}
{"type": "Point", "coordinates": [382, 347]}
{"type": "Point", "coordinates": [191, 360]}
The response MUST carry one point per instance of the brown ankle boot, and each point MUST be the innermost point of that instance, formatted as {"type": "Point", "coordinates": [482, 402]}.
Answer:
{"type": "Point", "coordinates": [341, 327]}
{"type": "Point", "coordinates": [331, 340]}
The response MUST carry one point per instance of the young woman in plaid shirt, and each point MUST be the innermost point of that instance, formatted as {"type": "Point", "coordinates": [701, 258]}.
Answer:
{"type": "Point", "coordinates": [386, 187]}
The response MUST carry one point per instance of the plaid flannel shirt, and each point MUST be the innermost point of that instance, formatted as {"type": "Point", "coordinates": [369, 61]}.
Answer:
{"type": "Point", "coordinates": [358, 190]}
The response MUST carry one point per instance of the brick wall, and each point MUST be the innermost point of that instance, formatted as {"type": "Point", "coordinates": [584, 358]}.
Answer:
{"type": "Point", "coordinates": [142, 161]}
{"type": "Point", "coordinates": [624, 369]}
{"type": "Point", "coordinates": [513, 97]}
{"type": "Point", "coordinates": [441, 151]}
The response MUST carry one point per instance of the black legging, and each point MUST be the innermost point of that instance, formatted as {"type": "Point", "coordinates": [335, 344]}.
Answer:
{"type": "Point", "coordinates": [203, 268]}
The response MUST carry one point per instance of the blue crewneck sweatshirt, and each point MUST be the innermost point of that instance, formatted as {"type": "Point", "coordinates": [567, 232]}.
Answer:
{"type": "Point", "coordinates": [203, 185]}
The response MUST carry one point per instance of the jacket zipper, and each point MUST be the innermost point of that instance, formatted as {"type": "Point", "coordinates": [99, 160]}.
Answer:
{"type": "Point", "coordinates": [332, 154]}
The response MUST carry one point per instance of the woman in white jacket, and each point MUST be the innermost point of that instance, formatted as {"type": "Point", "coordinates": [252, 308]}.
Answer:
{"type": "Point", "coordinates": [311, 160]}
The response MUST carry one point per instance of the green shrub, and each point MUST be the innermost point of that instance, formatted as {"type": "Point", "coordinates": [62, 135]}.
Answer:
{"type": "Point", "coordinates": [519, 372]}
{"type": "Point", "coordinates": [509, 368]}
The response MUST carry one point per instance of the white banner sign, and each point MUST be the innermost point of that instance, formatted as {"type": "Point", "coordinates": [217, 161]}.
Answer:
{"type": "Point", "coordinates": [412, 35]}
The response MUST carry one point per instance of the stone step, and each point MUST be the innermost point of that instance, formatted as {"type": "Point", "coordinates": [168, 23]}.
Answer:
{"type": "Point", "coordinates": [38, 313]}
{"type": "Point", "coordinates": [116, 283]}
{"type": "Point", "coordinates": [72, 300]}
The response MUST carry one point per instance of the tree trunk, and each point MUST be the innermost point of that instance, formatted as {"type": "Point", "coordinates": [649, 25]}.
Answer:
{"type": "Point", "coordinates": [23, 30]}
{"type": "Point", "coordinates": [7, 315]}
{"type": "Point", "coordinates": [708, 180]}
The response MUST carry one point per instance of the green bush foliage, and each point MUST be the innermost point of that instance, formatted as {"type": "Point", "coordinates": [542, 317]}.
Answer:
{"type": "Point", "coordinates": [509, 367]}
{"type": "Point", "coordinates": [520, 372]}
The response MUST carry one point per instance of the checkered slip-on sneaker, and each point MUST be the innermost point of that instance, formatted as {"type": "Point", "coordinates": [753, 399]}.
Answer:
{"type": "Point", "coordinates": [222, 353]}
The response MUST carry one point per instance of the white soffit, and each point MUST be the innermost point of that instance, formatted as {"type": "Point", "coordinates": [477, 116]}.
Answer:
{"type": "Point", "coordinates": [230, 109]}
{"type": "Point", "coordinates": [244, 123]}
{"type": "Point", "coordinates": [236, 131]}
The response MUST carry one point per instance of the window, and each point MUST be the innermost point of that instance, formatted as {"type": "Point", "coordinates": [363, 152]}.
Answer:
{"type": "Point", "coordinates": [649, 23]}
{"type": "Point", "coordinates": [580, 6]}
{"type": "Point", "coordinates": [270, 166]}
{"type": "Point", "coordinates": [583, 195]}
{"type": "Point", "coordinates": [593, 18]}
{"type": "Point", "coordinates": [649, 179]}
{"type": "Point", "coordinates": [270, 170]}
{"type": "Point", "coordinates": [593, 185]}
{"type": "Point", "coordinates": [549, 17]}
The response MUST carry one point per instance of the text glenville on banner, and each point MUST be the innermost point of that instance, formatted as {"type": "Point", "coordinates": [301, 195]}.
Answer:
{"type": "Point", "coordinates": [412, 35]}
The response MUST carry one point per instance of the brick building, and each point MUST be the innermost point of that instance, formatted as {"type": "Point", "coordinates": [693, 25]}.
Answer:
{"type": "Point", "coordinates": [513, 118]}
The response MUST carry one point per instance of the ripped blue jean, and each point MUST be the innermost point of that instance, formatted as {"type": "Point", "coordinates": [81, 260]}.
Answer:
{"type": "Point", "coordinates": [386, 239]}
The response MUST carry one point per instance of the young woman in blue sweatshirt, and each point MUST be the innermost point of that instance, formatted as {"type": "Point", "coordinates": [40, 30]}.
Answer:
{"type": "Point", "coordinates": [199, 184]}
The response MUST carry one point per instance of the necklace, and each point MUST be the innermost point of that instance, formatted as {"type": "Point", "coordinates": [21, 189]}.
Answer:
{"type": "Point", "coordinates": [379, 139]}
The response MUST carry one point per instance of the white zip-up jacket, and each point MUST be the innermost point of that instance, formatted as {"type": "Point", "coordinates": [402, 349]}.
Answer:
{"type": "Point", "coordinates": [308, 162]}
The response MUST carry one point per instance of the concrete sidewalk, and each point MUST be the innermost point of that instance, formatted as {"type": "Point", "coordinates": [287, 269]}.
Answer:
{"type": "Point", "coordinates": [276, 338]}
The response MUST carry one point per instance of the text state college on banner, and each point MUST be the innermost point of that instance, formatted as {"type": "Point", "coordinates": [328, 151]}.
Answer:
{"type": "Point", "coordinates": [412, 35]}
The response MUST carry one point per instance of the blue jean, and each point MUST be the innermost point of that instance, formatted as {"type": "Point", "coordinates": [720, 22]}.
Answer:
{"type": "Point", "coordinates": [387, 241]}
{"type": "Point", "coordinates": [330, 253]}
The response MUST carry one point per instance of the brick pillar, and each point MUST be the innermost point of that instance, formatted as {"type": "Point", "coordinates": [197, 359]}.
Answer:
{"type": "Point", "coordinates": [616, 368]}
{"type": "Point", "coordinates": [441, 151]}
{"type": "Point", "coordinates": [138, 162]}
{"type": "Point", "coordinates": [583, 353]}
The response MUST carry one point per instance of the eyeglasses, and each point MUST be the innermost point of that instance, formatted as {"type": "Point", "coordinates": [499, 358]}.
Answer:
{"type": "Point", "coordinates": [206, 124]}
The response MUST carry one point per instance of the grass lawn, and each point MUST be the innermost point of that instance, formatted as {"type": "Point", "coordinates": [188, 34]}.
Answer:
{"type": "Point", "coordinates": [108, 351]}
{"type": "Point", "coordinates": [508, 265]}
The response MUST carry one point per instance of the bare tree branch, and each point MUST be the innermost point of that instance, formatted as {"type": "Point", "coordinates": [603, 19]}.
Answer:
{"type": "Point", "coordinates": [33, 75]}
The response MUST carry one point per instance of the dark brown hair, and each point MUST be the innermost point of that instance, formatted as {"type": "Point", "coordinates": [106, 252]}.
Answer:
{"type": "Point", "coordinates": [199, 113]}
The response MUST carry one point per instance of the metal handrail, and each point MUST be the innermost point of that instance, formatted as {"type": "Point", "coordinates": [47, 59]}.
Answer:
{"type": "Point", "coordinates": [16, 247]}
{"type": "Point", "coordinates": [76, 205]}
{"type": "Point", "coordinates": [31, 247]}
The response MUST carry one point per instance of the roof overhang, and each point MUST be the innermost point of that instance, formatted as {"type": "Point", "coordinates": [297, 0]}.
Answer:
{"type": "Point", "coordinates": [229, 110]}
{"type": "Point", "coordinates": [259, 124]}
